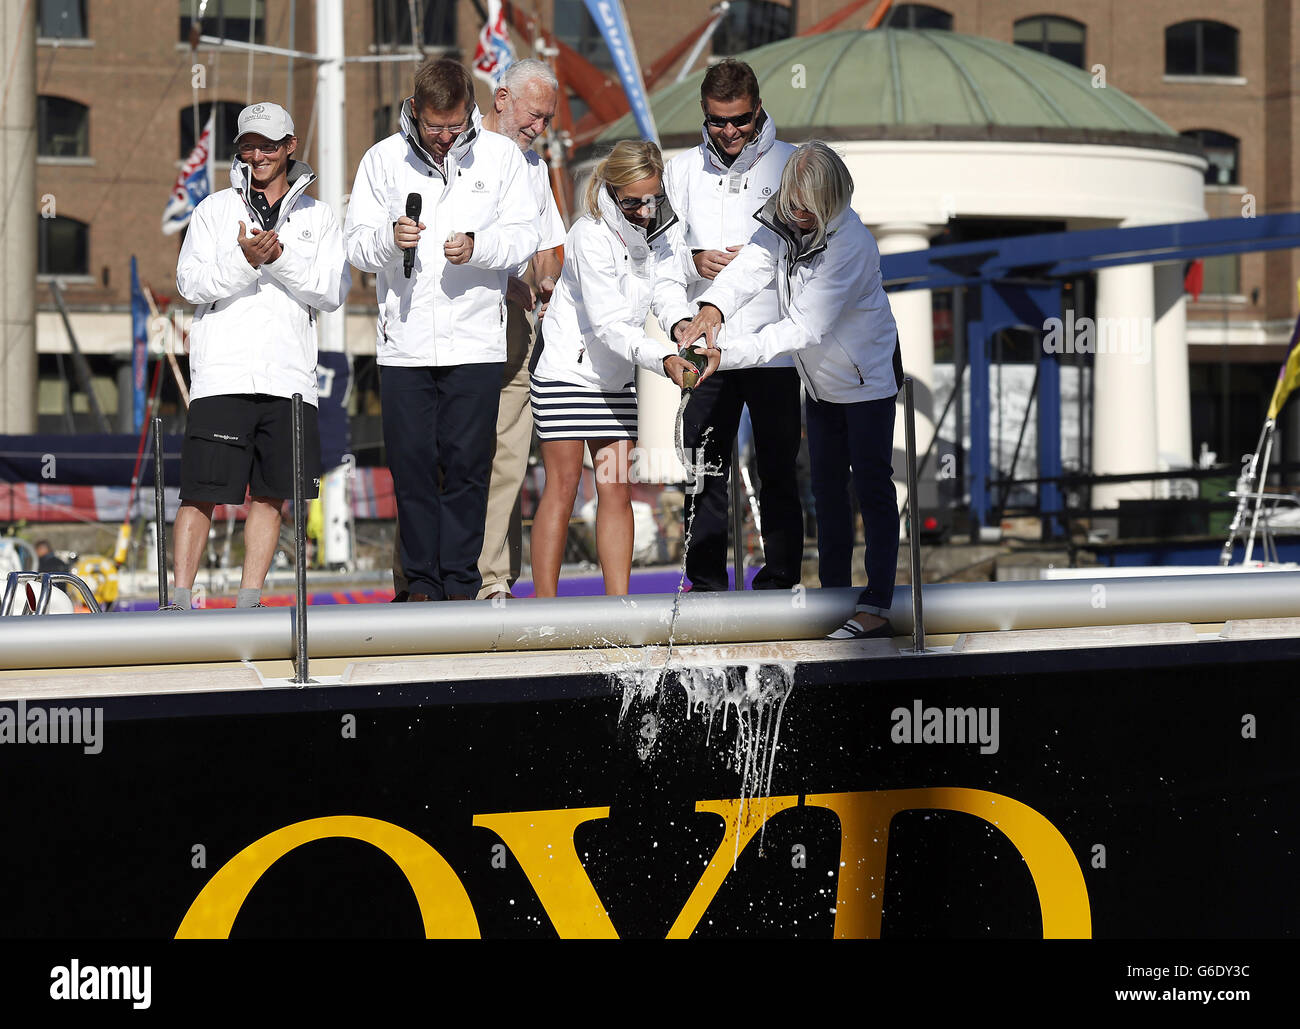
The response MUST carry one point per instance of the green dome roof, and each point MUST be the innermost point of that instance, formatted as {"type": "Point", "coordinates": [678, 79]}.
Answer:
{"type": "Point", "coordinates": [917, 83]}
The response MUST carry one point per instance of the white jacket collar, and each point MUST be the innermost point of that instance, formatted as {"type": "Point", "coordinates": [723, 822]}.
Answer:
{"type": "Point", "coordinates": [749, 156]}
{"type": "Point", "coordinates": [300, 177]}
{"type": "Point", "coordinates": [459, 147]}
{"type": "Point", "coordinates": [612, 215]}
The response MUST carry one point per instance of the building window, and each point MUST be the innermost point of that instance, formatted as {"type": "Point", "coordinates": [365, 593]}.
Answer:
{"type": "Point", "coordinates": [1224, 154]}
{"type": "Point", "coordinates": [393, 23]}
{"type": "Point", "coordinates": [62, 245]}
{"type": "Point", "coordinates": [576, 27]}
{"type": "Point", "coordinates": [223, 128]}
{"type": "Point", "coordinates": [61, 19]}
{"type": "Point", "coordinates": [243, 20]}
{"type": "Point", "coordinates": [1222, 276]}
{"type": "Point", "coordinates": [919, 16]}
{"type": "Point", "coordinates": [751, 23]}
{"type": "Point", "coordinates": [63, 127]}
{"type": "Point", "coordinates": [1062, 38]}
{"type": "Point", "coordinates": [1201, 48]}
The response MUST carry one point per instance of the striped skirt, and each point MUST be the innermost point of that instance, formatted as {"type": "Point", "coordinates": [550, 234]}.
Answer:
{"type": "Point", "coordinates": [562, 410]}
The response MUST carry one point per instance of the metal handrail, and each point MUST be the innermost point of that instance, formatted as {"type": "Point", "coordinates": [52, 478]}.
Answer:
{"type": "Point", "coordinates": [48, 581]}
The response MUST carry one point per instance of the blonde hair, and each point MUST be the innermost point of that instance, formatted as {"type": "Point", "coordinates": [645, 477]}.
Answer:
{"type": "Point", "coordinates": [816, 180]}
{"type": "Point", "coordinates": [629, 161]}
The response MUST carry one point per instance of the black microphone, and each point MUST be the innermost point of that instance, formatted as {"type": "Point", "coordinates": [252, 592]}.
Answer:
{"type": "Point", "coordinates": [414, 201]}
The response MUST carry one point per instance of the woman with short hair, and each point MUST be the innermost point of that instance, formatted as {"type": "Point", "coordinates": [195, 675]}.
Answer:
{"type": "Point", "coordinates": [619, 265]}
{"type": "Point", "coordinates": [836, 321]}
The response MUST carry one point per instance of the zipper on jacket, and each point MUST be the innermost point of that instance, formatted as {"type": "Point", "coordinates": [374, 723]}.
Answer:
{"type": "Point", "coordinates": [581, 351]}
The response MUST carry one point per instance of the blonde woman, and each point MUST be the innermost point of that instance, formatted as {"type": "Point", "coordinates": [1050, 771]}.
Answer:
{"type": "Point", "coordinates": [619, 265]}
{"type": "Point", "coordinates": [836, 321]}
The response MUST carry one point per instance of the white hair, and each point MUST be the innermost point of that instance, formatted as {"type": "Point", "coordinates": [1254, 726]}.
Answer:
{"type": "Point", "coordinates": [816, 180]}
{"type": "Point", "coordinates": [528, 70]}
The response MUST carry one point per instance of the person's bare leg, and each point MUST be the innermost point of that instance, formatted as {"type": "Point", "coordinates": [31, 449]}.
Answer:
{"type": "Point", "coordinates": [193, 522]}
{"type": "Point", "coordinates": [261, 534]}
{"type": "Point", "coordinates": [562, 459]}
{"type": "Point", "coordinates": [614, 523]}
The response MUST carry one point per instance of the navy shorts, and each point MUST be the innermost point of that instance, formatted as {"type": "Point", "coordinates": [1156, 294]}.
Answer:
{"type": "Point", "coordinates": [244, 443]}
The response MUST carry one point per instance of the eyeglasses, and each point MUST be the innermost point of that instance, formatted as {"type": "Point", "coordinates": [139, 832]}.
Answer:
{"type": "Point", "coordinates": [246, 149]}
{"type": "Point", "coordinates": [438, 130]}
{"type": "Point", "coordinates": [719, 121]}
{"type": "Point", "coordinates": [632, 204]}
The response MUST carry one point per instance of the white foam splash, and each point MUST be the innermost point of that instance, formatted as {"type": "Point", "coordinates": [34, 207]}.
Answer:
{"type": "Point", "coordinates": [751, 696]}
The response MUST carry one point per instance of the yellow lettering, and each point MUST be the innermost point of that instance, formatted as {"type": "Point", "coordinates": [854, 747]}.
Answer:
{"type": "Point", "coordinates": [740, 830]}
{"type": "Point", "coordinates": [444, 905]}
{"type": "Point", "coordinates": [542, 843]}
{"type": "Point", "coordinates": [864, 835]}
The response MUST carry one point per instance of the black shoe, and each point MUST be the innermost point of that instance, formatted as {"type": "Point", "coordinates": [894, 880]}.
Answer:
{"type": "Point", "coordinates": [401, 598]}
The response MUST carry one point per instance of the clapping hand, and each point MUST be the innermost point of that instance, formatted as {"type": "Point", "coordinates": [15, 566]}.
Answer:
{"type": "Point", "coordinates": [262, 247]}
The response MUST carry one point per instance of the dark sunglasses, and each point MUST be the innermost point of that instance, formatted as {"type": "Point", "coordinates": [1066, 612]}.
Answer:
{"type": "Point", "coordinates": [718, 121]}
{"type": "Point", "coordinates": [631, 204]}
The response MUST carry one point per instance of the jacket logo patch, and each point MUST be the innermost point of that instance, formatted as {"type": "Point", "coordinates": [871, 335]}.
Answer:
{"type": "Point", "coordinates": [306, 233]}
{"type": "Point", "coordinates": [767, 191]}
{"type": "Point", "coordinates": [479, 187]}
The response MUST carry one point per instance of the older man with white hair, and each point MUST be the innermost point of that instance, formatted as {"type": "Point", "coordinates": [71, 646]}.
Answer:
{"type": "Point", "coordinates": [522, 109]}
{"type": "Point", "coordinates": [836, 321]}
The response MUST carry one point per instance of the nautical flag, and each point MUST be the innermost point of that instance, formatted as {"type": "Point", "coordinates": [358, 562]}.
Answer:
{"type": "Point", "coordinates": [139, 346]}
{"type": "Point", "coordinates": [612, 22]}
{"type": "Point", "coordinates": [1288, 376]}
{"type": "Point", "coordinates": [192, 184]}
{"type": "Point", "coordinates": [494, 54]}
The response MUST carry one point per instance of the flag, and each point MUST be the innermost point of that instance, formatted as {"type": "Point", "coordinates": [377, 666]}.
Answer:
{"type": "Point", "coordinates": [612, 22]}
{"type": "Point", "coordinates": [494, 53]}
{"type": "Point", "coordinates": [1194, 278]}
{"type": "Point", "coordinates": [139, 346]}
{"type": "Point", "coordinates": [192, 184]}
{"type": "Point", "coordinates": [1288, 376]}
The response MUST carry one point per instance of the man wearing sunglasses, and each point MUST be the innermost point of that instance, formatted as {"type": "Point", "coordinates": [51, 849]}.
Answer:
{"type": "Point", "coordinates": [259, 260]}
{"type": "Point", "coordinates": [440, 338]}
{"type": "Point", "coordinates": [716, 188]}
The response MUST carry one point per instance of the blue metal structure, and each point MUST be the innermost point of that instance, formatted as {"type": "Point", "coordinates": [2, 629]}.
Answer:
{"type": "Point", "coordinates": [1018, 280]}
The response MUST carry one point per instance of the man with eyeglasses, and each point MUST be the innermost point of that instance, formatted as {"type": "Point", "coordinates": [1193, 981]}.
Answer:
{"type": "Point", "coordinates": [259, 260]}
{"type": "Point", "coordinates": [716, 188]}
{"type": "Point", "coordinates": [441, 332]}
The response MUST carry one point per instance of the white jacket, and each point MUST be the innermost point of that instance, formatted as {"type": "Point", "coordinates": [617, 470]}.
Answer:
{"type": "Point", "coordinates": [614, 274]}
{"type": "Point", "coordinates": [836, 318]}
{"type": "Point", "coordinates": [716, 206]}
{"type": "Point", "coordinates": [444, 314]}
{"type": "Point", "coordinates": [254, 329]}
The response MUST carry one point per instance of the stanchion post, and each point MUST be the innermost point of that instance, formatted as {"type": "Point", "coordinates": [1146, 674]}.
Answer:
{"type": "Point", "coordinates": [299, 543]}
{"type": "Point", "coordinates": [160, 512]}
{"type": "Point", "coordinates": [737, 518]}
{"type": "Point", "coordinates": [913, 540]}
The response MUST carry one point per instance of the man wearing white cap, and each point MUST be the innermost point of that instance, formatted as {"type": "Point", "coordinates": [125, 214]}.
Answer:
{"type": "Point", "coordinates": [259, 260]}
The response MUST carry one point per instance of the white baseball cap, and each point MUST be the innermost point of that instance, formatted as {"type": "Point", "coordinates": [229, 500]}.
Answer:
{"type": "Point", "coordinates": [269, 120]}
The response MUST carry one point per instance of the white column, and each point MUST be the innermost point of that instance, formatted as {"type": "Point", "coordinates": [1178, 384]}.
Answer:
{"type": "Point", "coordinates": [18, 220]}
{"type": "Point", "coordinates": [1124, 393]}
{"type": "Point", "coordinates": [915, 319]}
{"type": "Point", "coordinates": [1173, 393]}
{"type": "Point", "coordinates": [331, 141]}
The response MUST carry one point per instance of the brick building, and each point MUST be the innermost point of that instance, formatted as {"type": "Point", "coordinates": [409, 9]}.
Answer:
{"type": "Point", "coordinates": [116, 86]}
